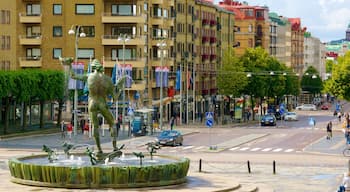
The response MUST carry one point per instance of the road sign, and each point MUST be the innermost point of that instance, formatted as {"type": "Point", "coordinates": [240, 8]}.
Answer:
{"type": "Point", "coordinates": [209, 123]}
{"type": "Point", "coordinates": [209, 115]}
{"type": "Point", "coordinates": [130, 111]}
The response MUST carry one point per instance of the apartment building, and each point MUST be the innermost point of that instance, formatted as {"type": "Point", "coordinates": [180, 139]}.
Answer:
{"type": "Point", "coordinates": [283, 38]}
{"type": "Point", "coordinates": [314, 54]}
{"type": "Point", "coordinates": [143, 37]}
{"type": "Point", "coordinates": [251, 25]}
{"type": "Point", "coordinates": [297, 52]}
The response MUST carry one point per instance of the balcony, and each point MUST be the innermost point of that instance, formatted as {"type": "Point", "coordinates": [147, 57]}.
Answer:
{"type": "Point", "coordinates": [212, 22]}
{"type": "Point", "coordinates": [138, 85]}
{"type": "Point", "coordinates": [205, 57]}
{"type": "Point", "coordinates": [115, 18]}
{"type": "Point", "coordinates": [29, 18]}
{"type": "Point", "coordinates": [205, 22]}
{"type": "Point", "coordinates": [159, 2]}
{"type": "Point", "coordinates": [113, 40]}
{"type": "Point", "coordinates": [35, 61]}
{"type": "Point", "coordinates": [157, 20]}
{"type": "Point", "coordinates": [171, 22]}
{"type": "Point", "coordinates": [30, 40]}
{"type": "Point", "coordinates": [136, 63]}
{"type": "Point", "coordinates": [205, 39]}
{"type": "Point", "coordinates": [166, 62]}
{"type": "Point", "coordinates": [212, 40]}
{"type": "Point", "coordinates": [212, 57]}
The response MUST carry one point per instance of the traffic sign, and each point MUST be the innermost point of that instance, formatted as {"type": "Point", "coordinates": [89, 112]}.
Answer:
{"type": "Point", "coordinates": [130, 111]}
{"type": "Point", "coordinates": [209, 115]}
{"type": "Point", "coordinates": [209, 123]}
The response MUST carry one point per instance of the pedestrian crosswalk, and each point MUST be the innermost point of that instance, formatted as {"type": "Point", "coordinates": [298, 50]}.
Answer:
{"type": "Point", "coordinates": [191, 148]}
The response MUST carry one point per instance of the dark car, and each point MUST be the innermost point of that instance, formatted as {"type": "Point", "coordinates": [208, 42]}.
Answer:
{"type": "Point", "coordinates": [268, 120]}
{"type": "Point", "coordinates": [170, 137]}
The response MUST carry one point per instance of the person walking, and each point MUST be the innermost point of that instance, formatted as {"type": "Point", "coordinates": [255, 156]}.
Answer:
{"type": "Point", "coordinates": [172, 121]}
{"type": "Point", "coordinates": [329, 130]}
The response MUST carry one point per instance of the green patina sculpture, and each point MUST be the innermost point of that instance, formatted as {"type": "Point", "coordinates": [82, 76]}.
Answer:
{"type": "Point", "coordinates": [100, 86]}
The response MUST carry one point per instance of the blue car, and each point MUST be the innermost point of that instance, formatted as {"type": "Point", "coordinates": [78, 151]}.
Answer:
{"type": "Point", "coordinates": [268, 120]}
{"type": "Point", "coordinates": [170, 137]}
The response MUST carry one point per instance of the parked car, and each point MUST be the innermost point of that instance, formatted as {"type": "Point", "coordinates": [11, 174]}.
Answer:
{"type": "Point", "coordinates": [268, 120]}
{"type": "Point", "coordinates": [291, 116]}
{"type": "Point", "coordinates": [170, 137]}
{"type": "Point", "coordinates": [324, 107]}
{"type": "Point", "coordinates": [307, 107]}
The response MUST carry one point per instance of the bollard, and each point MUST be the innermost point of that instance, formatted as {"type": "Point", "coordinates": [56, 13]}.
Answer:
{"type": "Point", "coordinates": [200, 165]}
{"type": "Point", "coordinates": [274, 167]}
{"type": "Point", "coordinates": [248, 166]}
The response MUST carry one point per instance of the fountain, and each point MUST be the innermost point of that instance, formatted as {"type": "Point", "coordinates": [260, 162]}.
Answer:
{"type": "Point", "coordinates": [98, 170]}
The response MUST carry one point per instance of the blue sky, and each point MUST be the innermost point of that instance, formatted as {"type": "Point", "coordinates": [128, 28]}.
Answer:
{"type": "Point", "coordinates": [325, 19]}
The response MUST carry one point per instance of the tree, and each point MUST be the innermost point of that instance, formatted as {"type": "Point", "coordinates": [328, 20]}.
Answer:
{"type": "Point", "coordinates": [339, 84]}
{"type": "Point", "coordinates": [231, 79]}
{"type": "Point", "coordinates": [311, 81]}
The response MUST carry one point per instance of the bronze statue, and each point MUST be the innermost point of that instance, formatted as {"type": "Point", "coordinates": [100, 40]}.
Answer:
{"type": "Point", "coordinates": [100, 86]}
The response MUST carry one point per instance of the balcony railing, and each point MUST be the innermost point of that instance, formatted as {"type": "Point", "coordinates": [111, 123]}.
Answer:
{"type": "Point", "coordinates": [30, 40]}
{"type": "Point", "coordinates": [34, 61]}
{"type": "Point", "coordinates": [212, 39]}
{"type": "Point", "coordinates": [118, 18]}
{"type": "Point", "coordinates": [135, 62]}
{"type": "Point", "coordinates": [212, 22]}
{"type": "Point", "coordinates": [113, 40]}
{"type": "Point", "coordinates": [29, 18]}
{"type": "Point", "coordinates": [205, 22]}
{"type": "Point", "coordinates": [205, 39]}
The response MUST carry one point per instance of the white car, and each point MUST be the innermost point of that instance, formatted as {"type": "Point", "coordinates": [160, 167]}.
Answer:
{"type": "Point", "coordinates": [309, 107]}
{"type": "Point", "coordinates": [291, 116]}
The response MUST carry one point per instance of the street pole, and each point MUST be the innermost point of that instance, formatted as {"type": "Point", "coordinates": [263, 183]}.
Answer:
{"type": "Point", "coordinates": [187, 89]}
{"type": "Point", "coordinates": [124, 38]}
{"type": "Point", "coordinates": [194, 92]}
{"type": "Point", "coordinates": [162, 45]}
{"type": "Point", "coordinates": [77, 35]}
{"type": "Point", "coordinates": [181, 90]}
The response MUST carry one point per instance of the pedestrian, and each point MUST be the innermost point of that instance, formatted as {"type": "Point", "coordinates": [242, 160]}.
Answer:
{"type": "Point", "coordinates": [70, 129]}
{"type": "Point", "coordinates": [345, 183]}
{"type": "Point", "coordinates": [117, 125]}
{"type": "Point", "coordinates": [329, 130]}
{"type": "Point", "coordinates": [63, 129]}
{"type": "Point", "coordinates": [172, 121]}
{"type": "Point", "coordinates": [86, 128]}
{"type": "Point", "coordinates": [339, 116]}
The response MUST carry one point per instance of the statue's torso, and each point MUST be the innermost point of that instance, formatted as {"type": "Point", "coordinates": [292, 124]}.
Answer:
{"type": "Point", "coordinates": [99, 84]}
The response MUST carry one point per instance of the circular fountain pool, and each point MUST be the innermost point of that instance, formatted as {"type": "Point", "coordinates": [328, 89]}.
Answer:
{"type": "Point", "coordinates": [77, 172]}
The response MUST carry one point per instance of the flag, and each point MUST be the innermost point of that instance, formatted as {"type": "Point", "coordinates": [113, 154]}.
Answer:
{"type": "Point", "coordinates": [165, 72]}
{"type": "Point", "coordinates": [78, 68]}
{"type": "Point", "coordinates": [86, 89]}
{"type": "Point", "coordinates": [128, 73]}
{"type": "Point", "coordinates": [158, 69]}
{"type": "Point", "coordinates": [114, 73]}
{"type": "Point", "coordinates": [189, 79]}
{"type": "Point", "coordinates": [178, 80]}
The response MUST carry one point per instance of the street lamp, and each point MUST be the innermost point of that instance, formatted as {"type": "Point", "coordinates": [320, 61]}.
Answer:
{"type": "Point", "coordinates": [77, 34]}
{"type": "Point", "coordinates": [162, 46]}
{"type": "Point", "coordinates": [124, 38]}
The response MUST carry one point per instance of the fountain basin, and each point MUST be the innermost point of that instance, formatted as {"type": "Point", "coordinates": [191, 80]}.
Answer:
{"type": "Point", "coordinates": [36, 170]}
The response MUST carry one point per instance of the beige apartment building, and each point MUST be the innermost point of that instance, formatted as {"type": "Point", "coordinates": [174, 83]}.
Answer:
{"type": "Point", "coordinates": [146, 36]}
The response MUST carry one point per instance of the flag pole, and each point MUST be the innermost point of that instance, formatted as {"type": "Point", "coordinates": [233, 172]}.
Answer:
{"type": "Point", "coordinates": [116, 100]}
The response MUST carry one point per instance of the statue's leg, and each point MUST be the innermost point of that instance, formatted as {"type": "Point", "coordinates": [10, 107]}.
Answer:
{"type": "Point", "coordinates": [109, 118]}
{"type": "Point", "coordinates": [93, 116]}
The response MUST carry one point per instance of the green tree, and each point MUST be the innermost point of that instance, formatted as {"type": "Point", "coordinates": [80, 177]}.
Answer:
{"type": "Point", "coordinates": [339, 84]}
{"type": "Point", "coordinates": [311, 81]}
{"type": "Point", "coordinates": [231, 79]}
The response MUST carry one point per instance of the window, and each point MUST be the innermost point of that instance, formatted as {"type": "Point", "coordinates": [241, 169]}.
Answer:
{"type": "Point", "coordinates": [33, 31]}
{"type": "Point", "coordinates": [86, 53]}
{"type": "Point", "coordinates": [123, 10]}
{"type": "Point", "coordinates": [89, 31]}
{"type": "Point", "coordinates": [88, 9]}
{"type": "Point", "coordinates": [57, 9]}
{"type": "Point", "coordinates": [57, 52]}
{"type": "Point", "coordinates": [33, 9]}
{"type": "Point", "coordinates": [118, 53]}
{"type": "Point", "coordinates": [57, 31]}
{"type": "Point", "coordinates": [33, 53]}
{"type": "Point", "coordinates": [5, 42]}
{"type": "Point", "coordinates": [5, 17]}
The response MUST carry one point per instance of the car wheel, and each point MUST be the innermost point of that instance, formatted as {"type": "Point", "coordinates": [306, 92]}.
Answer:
{"type": "Point", "coordinates": [180, 144]}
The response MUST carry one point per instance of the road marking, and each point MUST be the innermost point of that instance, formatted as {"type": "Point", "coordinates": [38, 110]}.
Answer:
{"type": "Point", "coordinates": [266, 149]}
{"type": "Point", "coordinates": [172, 151]}
{"type": "Point", "coordinates": [255, 149]}
{"type": "Point", "coordinates": [289, 150]}
{"type": "Point", "coordinates": [234, 148]}
{"type": "Point", "coordinates": [244, 149]}
{"type": "Point", "coordinates": [200, 147]}
{"type": "Point", "coordinates": [277, 150]}
{"type": "Point", "coordinates": [188, 147]}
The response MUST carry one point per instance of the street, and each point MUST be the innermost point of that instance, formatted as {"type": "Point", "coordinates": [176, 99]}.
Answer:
{"type": "Point", "coordinates": [304, 159]}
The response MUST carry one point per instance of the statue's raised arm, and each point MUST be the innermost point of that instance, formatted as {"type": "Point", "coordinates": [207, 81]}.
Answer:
{"type": "Point", "coordinates": [67, 61]}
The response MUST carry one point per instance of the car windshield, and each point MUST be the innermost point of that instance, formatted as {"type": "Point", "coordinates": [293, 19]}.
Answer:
{"type": "Point", "coordinates": [291, 113]}
{"type": "Point", "coordinates": [168, 133]}
{"type": "Point", "coordinates": [268, 117]}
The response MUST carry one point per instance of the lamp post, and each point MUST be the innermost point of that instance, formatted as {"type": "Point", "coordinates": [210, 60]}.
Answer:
{"type": "Point", "coordinates": [124, 38]}
{"type": "Point", "coordinates": [162, 46]}
{"type": "Point", "coordinates": [77, 34]}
